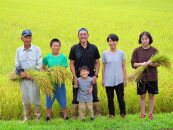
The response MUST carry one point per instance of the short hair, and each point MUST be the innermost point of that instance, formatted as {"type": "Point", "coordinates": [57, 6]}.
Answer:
{"type": "Point", "coordinates": [54, 40]}
{"type": "Point", "coordinates": [83, 29]}
{"type": "Point", "coordinates": [83, 68]}
{"type": "Point", "coordinates": [146, 34]}
{"type": "Point", "coordinates": [113, 37]}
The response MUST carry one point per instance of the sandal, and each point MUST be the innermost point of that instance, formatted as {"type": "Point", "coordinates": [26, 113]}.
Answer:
{"type": "Point", "coordinates": [142, 115]}
{"type": "Point", "coordinates": [150, 116]}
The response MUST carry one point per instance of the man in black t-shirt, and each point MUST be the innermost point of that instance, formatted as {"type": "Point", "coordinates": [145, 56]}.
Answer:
{"type": "Point", "coordinates": [84, 54]}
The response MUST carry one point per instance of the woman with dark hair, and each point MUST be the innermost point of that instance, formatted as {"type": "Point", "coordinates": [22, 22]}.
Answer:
{"type": "Point", "coordinates": [149, 80]}
{"type": "Point", "coordinates": [114, 75]}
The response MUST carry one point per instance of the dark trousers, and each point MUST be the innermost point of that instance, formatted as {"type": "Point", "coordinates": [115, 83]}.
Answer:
{"type": "Point", "coordinates": [120, 97]}
{"type": "Point", "coordinates": [94, 93]}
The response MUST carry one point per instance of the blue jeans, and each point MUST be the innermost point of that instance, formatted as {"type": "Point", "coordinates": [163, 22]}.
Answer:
{"type": "Point", "coordinates": [59, 94]}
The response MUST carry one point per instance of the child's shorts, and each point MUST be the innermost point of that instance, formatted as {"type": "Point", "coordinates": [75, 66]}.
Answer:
{"type": "Point", "coordinates": [144, 86]}
{"type": "Point", "coordinates": [59, 94]}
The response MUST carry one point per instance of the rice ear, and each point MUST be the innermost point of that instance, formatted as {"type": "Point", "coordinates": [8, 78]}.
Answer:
{"type": "Point", "coordinates": [162, 60]}
{"type": "Point", "coordinates": [59, 74]}
{"type": "Point", "coordinates": [13, 76]}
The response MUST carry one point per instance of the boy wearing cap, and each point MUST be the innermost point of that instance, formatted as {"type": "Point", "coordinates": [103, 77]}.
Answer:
{"type": "Point", "coordinates": [28, 57]}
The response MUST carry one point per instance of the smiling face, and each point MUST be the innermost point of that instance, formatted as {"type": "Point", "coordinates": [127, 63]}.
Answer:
{"type": "Point", "coordinates": [26, 40]}
{"type": "Point", "coordinates": [83, 36]}
{"type": "Point", "coordinates": [84, 73]}
{"type": "Point", "coordinates": [112, 44]}
{"type": "Point", "coordinates": [145, 41]}
{"type": "Point", "coordinates": [55, 48]}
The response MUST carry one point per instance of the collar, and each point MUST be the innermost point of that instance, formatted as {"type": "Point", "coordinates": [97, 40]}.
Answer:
{"type": "Point", "coordinates": [145, 48]}
{"type": "Point", "coordinates": [88, 44]}
{"type": "Point", "coordinates": [30, 49]}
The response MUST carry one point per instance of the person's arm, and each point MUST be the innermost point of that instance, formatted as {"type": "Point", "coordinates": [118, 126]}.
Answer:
{"type": "Point", "coordinates": [103, 73]}
{"type": "Point", "coordinates": [43, 68]}
{"type": "Point", "coordinates": [148, 63]}
{"type": "Point", "coordinates": [97, 62]}
{"type": "Point", "coordinates": [97, 68]}
{"type": "Point", "coordinates": [134, 60]}
{"type": "Point", "coordinates": [39, 59]}
{"type": "Point", "coordinates": [73, 71]}
{"type": "Point", "coordinates": [124, 72]}
{"type": "Point", "coordinates": [90, 89]}
{"type": "Point", "coordinates": [72, 68]}
{"type": "Point", "coordinates": [154, 64]}
{"type": "Point", "coordinates": [136, 65]}
{"type": "Point", "coordinates": [44, 64]}
{"type": "Point", "coordinates": [72, 64]}
{"type": "Point", "coordinates": [19, 69]}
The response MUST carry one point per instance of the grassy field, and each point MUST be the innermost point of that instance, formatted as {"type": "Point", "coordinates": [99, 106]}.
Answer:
{"type": "Point", "coordinates": [132, 122]}
{"type": "Point", "coordinates": [61, 19]}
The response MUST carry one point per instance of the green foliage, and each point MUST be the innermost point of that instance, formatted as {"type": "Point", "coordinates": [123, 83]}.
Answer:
{"type": "Point", "coordinates": [132, 122]}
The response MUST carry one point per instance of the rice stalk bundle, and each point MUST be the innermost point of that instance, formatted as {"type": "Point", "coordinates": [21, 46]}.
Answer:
{"type": "Point", "coordinates": [162, 60]}
{"type": "Point", "coordinates": [59, 74]}
{"type": "Point", "coordinates": [41, 79]}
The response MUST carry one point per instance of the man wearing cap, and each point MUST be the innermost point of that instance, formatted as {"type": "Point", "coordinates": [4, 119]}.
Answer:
{"type": "Point", "coordinates": [84, 54]}
{"type": "Point", "coordinates": [28, 57]}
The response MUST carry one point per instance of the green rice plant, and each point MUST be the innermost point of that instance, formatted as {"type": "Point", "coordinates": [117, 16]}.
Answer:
{"type": "Point", "coordinates": [162, 60]}
{"type": "Point", "coordinates": [136, 74]}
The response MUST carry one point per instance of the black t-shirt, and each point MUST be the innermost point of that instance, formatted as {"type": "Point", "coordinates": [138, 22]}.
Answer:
{"type": "Point", "coordinates": [84, 57]}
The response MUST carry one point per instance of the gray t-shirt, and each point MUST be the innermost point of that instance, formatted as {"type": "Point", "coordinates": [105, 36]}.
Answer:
{"type": "Point", "coordinates": [83, 95]}
{"type": "Point", "coordinates": [113, 67]}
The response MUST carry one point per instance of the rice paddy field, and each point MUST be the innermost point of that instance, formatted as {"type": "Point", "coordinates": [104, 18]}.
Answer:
{"type": "Point", "coordinates": [61, 19]}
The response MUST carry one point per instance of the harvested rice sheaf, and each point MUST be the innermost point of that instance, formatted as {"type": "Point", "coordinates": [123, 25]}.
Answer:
{"type": "Point", "coordinates": [45, 79]}
{"type": "Point", "coordinates": [162, 60]}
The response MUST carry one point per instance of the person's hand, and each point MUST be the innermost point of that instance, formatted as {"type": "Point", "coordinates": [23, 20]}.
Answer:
{"type": "Point", "coordinates": [28, 77]}
{"type": "Point", "coordinates": [42, 70]}
{"type": "Point", "coordinates": [125, 82]}
{"type": "Point", "coordinates": [149, 62]}
{"type": "Point", "coordinates": [90, 90]}
{"type": "Point", "coordinates": [75, 82]}
{"type": "Point", "coordinates": [145, 64]}
{"type": "Point", "coordinates": [75, 86]}
{"type": "Point", "coordinates": [94, 79]}
{"type": "Point", "coordinates": [103, 82]}
{"type": "Point", "coordinates": [22, 74]}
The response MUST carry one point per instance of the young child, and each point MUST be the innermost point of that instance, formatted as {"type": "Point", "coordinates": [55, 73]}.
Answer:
{"type": "Point", "coordinates": [149, 81]}
{"type": "Point", "coordinates": [56, 59]}
{"type": "Point", "coordinates": [28, 57]}
{"type": "Point", "coordinates": [84, 96]}
{"type": "Point", "coordinates": [114, 75]}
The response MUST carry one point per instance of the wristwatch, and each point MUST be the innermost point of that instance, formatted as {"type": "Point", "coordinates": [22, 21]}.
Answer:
{"type": "Point", "coordinates": [96, 75]}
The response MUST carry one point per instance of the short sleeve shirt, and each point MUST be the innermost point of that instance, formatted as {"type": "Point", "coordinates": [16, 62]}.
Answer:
{"type": "Point", "coordinates": [83, 95]}
{"type": "Point", "coordinates": [143, 55]}
{"type": "Point", "coordinates": [84, 57]}
{"type": "Point", "coordinates": [113, 67]}
{"type": "Point", "coordinates": [50, 60]}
